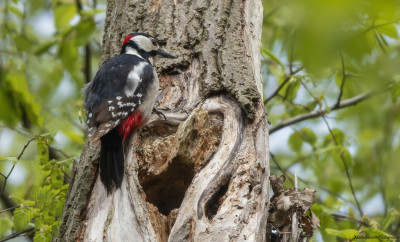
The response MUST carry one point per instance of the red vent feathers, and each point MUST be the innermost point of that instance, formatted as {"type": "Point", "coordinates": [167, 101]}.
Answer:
{"type": "Point", "coordinates": [127, 38]}
{"type": "Point", "coordinates": [134, 120]}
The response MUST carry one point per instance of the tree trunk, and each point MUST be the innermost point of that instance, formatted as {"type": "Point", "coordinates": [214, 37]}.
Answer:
{"type": "Point", "coordinates": [202, 174]}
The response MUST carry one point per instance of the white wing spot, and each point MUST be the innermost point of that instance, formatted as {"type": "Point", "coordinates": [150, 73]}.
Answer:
{"type": "Point", "coordinates": [111, 108]}
{"type": "Point", "coordinates": [108, 125]}
{"type": "Point", "coordinates": [118, 97]}
{"type": "Point", "coordinates": [109, 101]}
{"type": "Point", "coordinates": [120, 104]}
{"type": "Point", "coordinates": [134, 79]}
{"type": "Point", "coordinates": [90, 115]}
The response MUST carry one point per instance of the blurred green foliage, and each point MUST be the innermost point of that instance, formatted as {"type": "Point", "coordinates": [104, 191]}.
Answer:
{"type": "Point", "coordinates": [43, 45]}
{"type": "Point", "coordinates": [316, 53]}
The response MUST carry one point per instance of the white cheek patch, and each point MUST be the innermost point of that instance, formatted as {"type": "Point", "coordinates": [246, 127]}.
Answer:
{"type": "Point", "coordinates": [144, 43]}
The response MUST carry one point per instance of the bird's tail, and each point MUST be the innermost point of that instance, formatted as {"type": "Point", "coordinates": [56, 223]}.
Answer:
{"type": "Point", "coordinates": [111, 160]}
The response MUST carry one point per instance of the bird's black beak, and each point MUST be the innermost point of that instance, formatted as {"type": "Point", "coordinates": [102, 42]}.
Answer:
{"type": "Point", "coordinates": [165, 54]}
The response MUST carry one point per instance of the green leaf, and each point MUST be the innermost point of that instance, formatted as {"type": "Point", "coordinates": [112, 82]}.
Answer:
{"type": "Point", "coordinates": [308, 136]}
{"type": "Point", "coordinates": [272, 57]}
{"type": "Point", "coordinates": [17, 84]}
{"type": "Point", "coordinates": [387, 28]}
{"type": "Point", "coordinates": [15, 10]}
{"type": "Point", "coordinates": [347, 233]}
{"type": "Point", "coordinates": [13, 159]}
{"type": "Point", "coordinates": [43, 151]}
{"type": "Point", "coordinates": [8, 112]}
{"type": "Point", "coordinates": [395, 91]}
{"type": "Point", "coordinates": [377, 233]}
{"type": "Point", "coordinates": [392, 216]}
{"type": "Point", "coordinates": [292, 88]}
{"type": "Point", "coordinates": [63, 15]}
{"type": "Point", "coordinates": [5, 224]}
{"type": "Point", "coordinates": [45, 46]}
{"type": "Point", "coordinates": [69, 56]}
{"type": "Point", "coordinates": [345, 154]}
{"type": "Point", "coordinates": [23, 216]}
{"type": "Point", "coordinates": [295, 141]}
{"type": "Point", "coordinates": [92, 12]}
{"type": "Point", "coordinates": [338, 135]}
{"type": "Point", "coordinates": [85, 30]}
{"type": "Point", "coordinates": [22, 43]}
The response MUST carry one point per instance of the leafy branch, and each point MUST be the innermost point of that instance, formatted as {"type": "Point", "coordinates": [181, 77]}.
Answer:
{"type": "Point", "coordinates": [345, 167]}
{"type": "Point", "coordinates": [287, 79]}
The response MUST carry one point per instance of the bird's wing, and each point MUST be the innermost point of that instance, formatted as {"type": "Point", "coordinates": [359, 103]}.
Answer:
{"type": "Point", "coordinates": [116, 99]}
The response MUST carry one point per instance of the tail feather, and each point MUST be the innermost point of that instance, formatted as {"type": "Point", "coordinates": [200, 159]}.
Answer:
{"type": "Point", "coordinates": [111, 160]}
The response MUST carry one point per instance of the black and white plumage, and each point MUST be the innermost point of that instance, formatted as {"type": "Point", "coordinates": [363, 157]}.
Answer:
{"type": "Point", "coordinates": [120, 98]}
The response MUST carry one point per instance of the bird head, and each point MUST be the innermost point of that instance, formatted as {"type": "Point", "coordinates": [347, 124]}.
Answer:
{"type": "Point", "coordinates": [143, 45]}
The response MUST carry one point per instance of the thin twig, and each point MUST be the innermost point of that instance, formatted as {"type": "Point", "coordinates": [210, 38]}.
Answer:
{"type": "Point", "coordinates": [13, 166]}
{"type": "Point", "coordinates": [8, 209]}
{"type": "Point", "coordinates": [280, 168]}
{"type": "Point", "coordinates": [347, 218]}
{"type": "Point", "coordinates": [345, 167]}
{"type": "Point", "coordinates": [346, 103]}
{"type": "Point", "coordinates": [308, 90]}
{"type": "Point", "coordinates": [376, 26]}
{"type": "Point", "coordinates": [293, 103]}
{"type": "Point", "coordinates": [27, 231]}
{"type": "Point", "coordinates": [287, 79]}
{"type": "Point", "coordinates": [343, 80]}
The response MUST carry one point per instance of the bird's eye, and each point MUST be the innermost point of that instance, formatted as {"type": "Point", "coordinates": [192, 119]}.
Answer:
{"type": "Point", "coordinates": [154, 42]}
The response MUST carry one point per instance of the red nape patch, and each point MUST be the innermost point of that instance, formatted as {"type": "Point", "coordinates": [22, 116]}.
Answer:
{"type": "Point", "coordinates": [134, 120]}
{"type": "Point", "coordinates": [127, 38]}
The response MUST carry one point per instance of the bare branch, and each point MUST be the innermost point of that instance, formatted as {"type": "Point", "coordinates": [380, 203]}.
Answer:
{"type": "Point", "coordinates": [8, 209]}
{"type": "Point", "coordinates": [346, 103]}
{"type": "Point", "coordinates": [287, 79]}
{"type": "Point", "coordinates": [24, 232]}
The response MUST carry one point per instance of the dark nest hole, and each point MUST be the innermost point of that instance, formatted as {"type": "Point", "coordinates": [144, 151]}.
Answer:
{"type": "Point", "coordinates": [216, 200]}
{"type": "Point", "coordinates": [167, 190]}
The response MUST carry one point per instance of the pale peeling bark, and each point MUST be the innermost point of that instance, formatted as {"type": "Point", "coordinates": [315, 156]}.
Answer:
{"type": "Point", "coordinates": [202, 174]}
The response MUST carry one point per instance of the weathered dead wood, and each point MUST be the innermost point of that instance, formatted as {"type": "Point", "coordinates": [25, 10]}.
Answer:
{"type": "Point", "coordinates": [202, 174]}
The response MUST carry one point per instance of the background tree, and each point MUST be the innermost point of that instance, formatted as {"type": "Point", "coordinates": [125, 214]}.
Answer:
{"type": "Point", "coordinates": [313, 53]}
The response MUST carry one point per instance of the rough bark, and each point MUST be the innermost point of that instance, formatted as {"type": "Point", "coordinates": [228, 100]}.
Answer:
{"type": "Point", "coordinates": [202, 174]}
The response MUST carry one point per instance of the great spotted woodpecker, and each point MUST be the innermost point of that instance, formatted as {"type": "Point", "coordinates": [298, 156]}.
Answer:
{"type": "Point", "coordinates": [120, 98]}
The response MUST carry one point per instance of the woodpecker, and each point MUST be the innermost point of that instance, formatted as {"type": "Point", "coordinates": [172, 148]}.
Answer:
{"type": "Point", "coordinates": [120, 98]}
